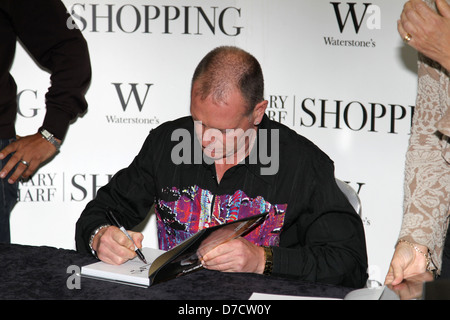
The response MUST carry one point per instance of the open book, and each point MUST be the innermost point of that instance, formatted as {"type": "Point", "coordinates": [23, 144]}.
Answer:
{"type": "Point", "coordinates": [180, 260]}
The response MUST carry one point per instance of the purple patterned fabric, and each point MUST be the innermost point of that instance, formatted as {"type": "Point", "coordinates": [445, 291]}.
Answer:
{"type": "Point", "coordinates": [195, 209]}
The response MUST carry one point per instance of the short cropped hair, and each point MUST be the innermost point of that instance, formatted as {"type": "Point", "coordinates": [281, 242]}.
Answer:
{"type": "Point", "coordinates": [226, 68]}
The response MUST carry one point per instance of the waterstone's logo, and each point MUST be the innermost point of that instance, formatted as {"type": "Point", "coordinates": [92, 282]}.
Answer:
{"type": "Point", "coordinates": [371, 14]}
{"type": "Point", "coordinates": [352, 18]}
{"type": "Point", "coordinates": [151, 19]}
{"type": "Point", "coordinates": [136, 95]}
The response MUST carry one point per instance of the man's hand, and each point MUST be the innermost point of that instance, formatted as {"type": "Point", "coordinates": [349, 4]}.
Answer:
{"type": "Point", "coordinates": [429, 31]}
{"type": "Point", "coordinates": [113, 246]}
{"type": "Point", "coordinates": [238, 255]}
{"type": "Point", "coordinates": [33, 150]}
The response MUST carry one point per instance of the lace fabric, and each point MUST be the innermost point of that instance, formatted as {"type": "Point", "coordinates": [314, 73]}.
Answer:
{"type": "Point", "coordinates": [427, 167]}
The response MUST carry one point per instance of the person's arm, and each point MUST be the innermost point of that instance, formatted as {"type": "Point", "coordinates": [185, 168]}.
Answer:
{"type": "Point", "coordinates": [327, 241]}
{"type": "Point", "coordinates": [426, 196]}
{"type": "Point", "coordinates": [42, 28]}
{"type": "Point", "coordinates": [130, 193]}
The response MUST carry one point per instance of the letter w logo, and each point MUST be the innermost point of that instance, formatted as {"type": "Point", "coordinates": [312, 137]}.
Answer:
{"type": "Point", "coordinates": [351, 11]}
{"type": "Point", "coordinates": [134, 92]}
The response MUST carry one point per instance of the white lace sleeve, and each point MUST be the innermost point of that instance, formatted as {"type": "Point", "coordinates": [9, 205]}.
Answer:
{"type": "Point", "coordinates": [427, 167]}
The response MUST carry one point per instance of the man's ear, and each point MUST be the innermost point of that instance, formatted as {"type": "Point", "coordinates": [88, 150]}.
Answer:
{"type": "Point", "coordinates": [259, 111]}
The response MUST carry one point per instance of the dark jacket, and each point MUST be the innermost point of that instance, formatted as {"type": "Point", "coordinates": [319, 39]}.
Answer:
{"type": "Point", "coordinates": [314, 231]}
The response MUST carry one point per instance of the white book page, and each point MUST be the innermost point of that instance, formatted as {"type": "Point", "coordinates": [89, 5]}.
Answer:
{"type": "Point", "coordinates": [133, 272]}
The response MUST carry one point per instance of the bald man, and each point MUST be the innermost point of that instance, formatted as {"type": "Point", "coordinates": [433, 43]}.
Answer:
{"type": "Point", "coordinates": [228, 161]}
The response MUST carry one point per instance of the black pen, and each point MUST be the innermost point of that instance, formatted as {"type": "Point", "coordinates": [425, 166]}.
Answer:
{"type": "Point", "coordinates": [113, 219]}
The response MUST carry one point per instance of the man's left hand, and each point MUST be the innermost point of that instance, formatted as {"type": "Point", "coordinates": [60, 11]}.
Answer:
{"type": "Point", "coordinates": [28, 153]}
{"type": "Point", "coordinates": [238, 255]}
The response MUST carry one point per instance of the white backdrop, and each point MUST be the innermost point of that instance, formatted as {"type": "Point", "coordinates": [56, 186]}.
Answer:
{"type": "Point", "coordinates": [336, 72]}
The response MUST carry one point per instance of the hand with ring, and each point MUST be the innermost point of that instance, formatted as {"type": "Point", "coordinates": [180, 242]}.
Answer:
{"type": "Point", "coordinates": [426, 30]}
{"type": "Point", "coordinates": [27, 155]}
{"type": "Point", "coordinates": [407, 37]}
{"type": "Point", "coordinates": [25, 163]}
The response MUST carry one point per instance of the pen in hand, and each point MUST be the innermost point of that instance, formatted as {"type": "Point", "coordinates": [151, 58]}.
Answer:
{"type": "Point", "coordinates": [113, 219]}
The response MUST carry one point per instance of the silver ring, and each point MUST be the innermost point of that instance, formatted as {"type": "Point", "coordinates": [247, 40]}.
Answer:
{"type": "Point", "coordinates": [25, 163]}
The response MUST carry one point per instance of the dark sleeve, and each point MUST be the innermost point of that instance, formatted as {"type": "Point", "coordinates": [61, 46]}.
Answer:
{"type": "Point", "coordinates": [326, 243]}
{"type": "Point", "coordinates": [43, 29]}
{"type": "Point", "coordinates": [130, 192]}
